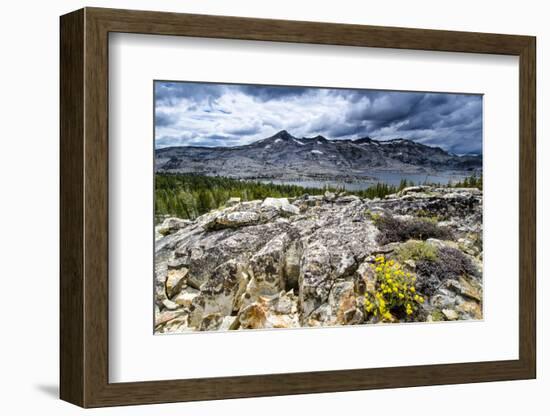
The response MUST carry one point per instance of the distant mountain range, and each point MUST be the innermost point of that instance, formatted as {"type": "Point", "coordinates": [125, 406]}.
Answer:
{"type": "Point", "coordinates": [286, 157]}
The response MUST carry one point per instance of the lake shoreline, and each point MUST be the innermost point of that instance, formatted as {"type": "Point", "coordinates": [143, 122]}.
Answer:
{"type": "Point", "coordinates": [394, 178]}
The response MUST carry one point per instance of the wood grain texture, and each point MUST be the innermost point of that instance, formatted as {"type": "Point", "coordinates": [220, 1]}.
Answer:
{"type": "Point", "coordinates": [162, 23]}
{"type": "Point", "coordinates": [71, 208]}
{"type": "Point", "coordinates": [96, 208]}
{"type": "Point", "coordinates": [528, 208]}
{"type": "Point", "coordinates": [84, 207]}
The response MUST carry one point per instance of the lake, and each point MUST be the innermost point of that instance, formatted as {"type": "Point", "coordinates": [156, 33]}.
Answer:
{"type": "Point", "coordinates": [390, 178]}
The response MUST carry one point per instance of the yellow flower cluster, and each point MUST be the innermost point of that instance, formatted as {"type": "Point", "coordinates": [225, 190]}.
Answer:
{"type": "Point", "coordinates": [394, 291]}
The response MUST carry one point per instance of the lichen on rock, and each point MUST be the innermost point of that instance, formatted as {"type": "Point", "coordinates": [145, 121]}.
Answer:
{"type": "Point", "coordinates": [309, 261]}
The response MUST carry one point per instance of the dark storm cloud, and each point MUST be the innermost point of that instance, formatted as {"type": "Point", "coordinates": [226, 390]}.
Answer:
{"type": "Point", "coordinates": [345, 130]}
{"type": "Point", "coordinates": [267, 93]}
{"type": "Point", "coordinates": [228, 115]}
{"type": "Point", "coordinates": [163, 119]}
{"type": "Point", "coordinates": [384, 108]}
{"type": "Point", "coordinates": [170, 93]}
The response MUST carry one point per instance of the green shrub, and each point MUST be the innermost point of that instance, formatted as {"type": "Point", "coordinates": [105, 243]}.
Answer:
{"type": "Point", "coordinates": [416, 250]}
{"type": "Point", "coordinates": [422, 213]}
{"type": "Point", "coordinates": [437, 315]}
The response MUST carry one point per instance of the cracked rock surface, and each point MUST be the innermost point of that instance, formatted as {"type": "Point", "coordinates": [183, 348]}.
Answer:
{"type": "Point", "coordinates": [281, 263]}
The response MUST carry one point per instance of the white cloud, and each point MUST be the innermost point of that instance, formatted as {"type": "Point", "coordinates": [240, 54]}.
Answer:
{"type": "Point", "coordinates": [229, 115]}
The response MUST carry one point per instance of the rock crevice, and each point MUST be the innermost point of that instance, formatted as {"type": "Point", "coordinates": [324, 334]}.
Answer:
{"type": "Point", "coordinates": [282, 263]}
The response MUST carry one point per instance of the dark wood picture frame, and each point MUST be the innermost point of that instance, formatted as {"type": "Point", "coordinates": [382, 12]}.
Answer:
{"type": "Point", "coordinates": [84, 207]}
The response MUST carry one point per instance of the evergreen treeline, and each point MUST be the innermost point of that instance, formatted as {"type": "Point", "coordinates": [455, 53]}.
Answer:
{"type": "Point", "coordinates": [189, 196]}
{"type": "Point", "coordinates": [472, 181]}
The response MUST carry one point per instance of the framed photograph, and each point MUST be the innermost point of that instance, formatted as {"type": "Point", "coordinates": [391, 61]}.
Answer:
{"type": "Point", "coordinates": [256, 207]}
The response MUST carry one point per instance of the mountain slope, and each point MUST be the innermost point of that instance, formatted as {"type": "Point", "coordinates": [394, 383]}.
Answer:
{"type": "Point", "coordinates": [284, 156]}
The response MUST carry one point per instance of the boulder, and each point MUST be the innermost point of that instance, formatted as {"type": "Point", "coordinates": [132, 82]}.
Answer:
{"type": "Point", "coordinates": [470, 288]}
{"type": "Point", "coordinates": [469, 309]}
{"type": "Point", "coordinates": [166, 316]}
{"type": "Point", "coordinates": [365, 279]}
{"type": "Point", "coordinates": [284, 304]}
{"type": "Point", "coordinates": [175, 281]}
{"type": "Point", "coordinates": [266, 268]}
{"type": "Point", "coordinates": [233, 201]}
{"type": "Point", "coordinates": [253, 316]}
{"type": "Point", "coordinates": [170, 305]}
{"type": "Point", "coordinates": [280, 204]}
{"type": "Point", "coordinates": [220, 293]}
{"type": "Point", "coordinates": [329, 196]}
{"type": "Point", "coordinates": [315, 278]}
{"type": "Point", "coordinates": [202, 253]}
{"type": "Point", "coordinates": [234, 219]}
{"type": "Point", "coordinates": [171, 225]}
{"type": "Point", "coordinates": [178, 324]}
{"type": "Point", "coordinates": [279, 311]}
{"type": "Point", "coordinates": [186, 296]}
{"type": "Point", "coordinates": [450, 314]}
{"type": "Point", "coordinates": [343, 304]}
{"type": "Point", "coordinates": [346, 199]}
{"type": "Point", "coordinates": [413, 189]}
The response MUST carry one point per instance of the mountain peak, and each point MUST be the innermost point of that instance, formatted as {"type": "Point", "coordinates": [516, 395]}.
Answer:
{"type": "Point", "coordinates": [283, 134]}
{"type": "Point", "coordinates": [319, 137]}
{"type": "Point", "coordinates": [365, 139]}
{"type": "Point", "coordinates": [282, 152]}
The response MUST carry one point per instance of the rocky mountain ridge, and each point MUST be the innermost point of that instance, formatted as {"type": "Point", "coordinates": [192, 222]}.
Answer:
{"type": "Point", "coordinates": [286, 157]}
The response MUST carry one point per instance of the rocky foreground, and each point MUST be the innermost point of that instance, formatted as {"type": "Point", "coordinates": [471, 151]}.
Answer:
{"type": "Point", "coordinates": [334, 259]}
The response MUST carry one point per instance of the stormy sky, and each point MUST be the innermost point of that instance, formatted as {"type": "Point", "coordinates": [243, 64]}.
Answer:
{"type": "Point", "coordinates": [202, 114]}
